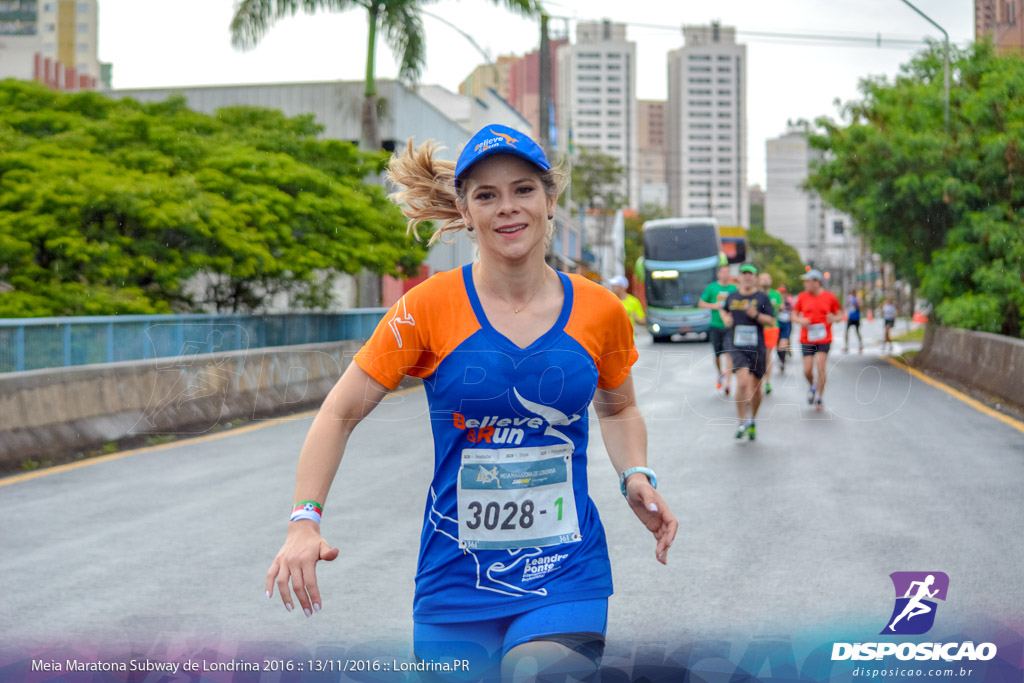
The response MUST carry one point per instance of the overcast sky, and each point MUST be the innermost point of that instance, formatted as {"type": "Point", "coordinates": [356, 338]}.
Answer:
{"type": "Point", "coordinates": [162, 43]}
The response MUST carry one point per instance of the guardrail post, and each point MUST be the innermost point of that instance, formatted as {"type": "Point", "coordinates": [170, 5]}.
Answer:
{"type": "Point", "coordinates": [110, 342]}
{"type": "Point", "coordinates": [67, 344]}
{"type": "Point", "coordinates": [19, 348]}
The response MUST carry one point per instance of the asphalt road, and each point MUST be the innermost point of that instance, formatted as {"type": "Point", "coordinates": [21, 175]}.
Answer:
{"type": "Point", "coordinates": [166, 550]}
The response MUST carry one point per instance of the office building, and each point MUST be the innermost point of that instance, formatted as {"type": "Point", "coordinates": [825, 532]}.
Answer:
{"type": "Point", "coordinates": [824, 237]}
{"type": "Point", "coordinates": [53, 41]}
{"type": "Point", "coordinates": [652, 160]}
{"type": "Point", "coordinates": [596, 99]}
{"type": "Point", "coordinates": [706, 126]}
{"type": "Point", "coordinates": [1002, 21]}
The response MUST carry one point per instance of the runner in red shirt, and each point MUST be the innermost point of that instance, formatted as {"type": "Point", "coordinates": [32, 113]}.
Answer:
{"type": "Point", "coordinates": [816, 309]}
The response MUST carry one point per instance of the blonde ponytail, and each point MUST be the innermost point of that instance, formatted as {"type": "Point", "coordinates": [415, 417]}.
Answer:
{"type": "Point", "coordinates": [427, 189]}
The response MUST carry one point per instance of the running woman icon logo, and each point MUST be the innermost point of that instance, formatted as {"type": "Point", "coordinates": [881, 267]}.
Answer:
{"type": "Point", "coordinates": [916, 592]}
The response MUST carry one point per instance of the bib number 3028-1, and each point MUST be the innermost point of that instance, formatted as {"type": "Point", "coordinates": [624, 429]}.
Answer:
{"type": "Point", "coordinates": [516, 498]}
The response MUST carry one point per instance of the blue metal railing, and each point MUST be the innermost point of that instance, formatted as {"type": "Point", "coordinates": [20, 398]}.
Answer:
{"type": "Point", "coordinates": [35, 343]}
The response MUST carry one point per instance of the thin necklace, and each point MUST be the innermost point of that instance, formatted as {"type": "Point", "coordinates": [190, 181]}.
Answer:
{"type": "Point", "coordinates": [526, 303]}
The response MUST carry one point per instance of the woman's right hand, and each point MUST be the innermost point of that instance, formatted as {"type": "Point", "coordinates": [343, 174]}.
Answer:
{"type": "Point", "coordinates": [296, 562]}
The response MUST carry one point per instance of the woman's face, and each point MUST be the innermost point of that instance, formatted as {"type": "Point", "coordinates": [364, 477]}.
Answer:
{"type": "Point", "coordinates": [508, 208]}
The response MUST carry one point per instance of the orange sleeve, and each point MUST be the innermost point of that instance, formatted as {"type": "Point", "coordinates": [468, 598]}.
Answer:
{"type": "Point", "coordinates": [600, 323]}
{"type": "Point", "coordinates": [419, 331]}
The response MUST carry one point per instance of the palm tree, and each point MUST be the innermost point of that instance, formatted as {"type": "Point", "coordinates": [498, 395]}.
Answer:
{"type": "Point", "coordinates": [399, 20]}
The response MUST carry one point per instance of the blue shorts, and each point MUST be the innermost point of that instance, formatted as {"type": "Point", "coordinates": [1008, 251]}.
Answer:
{"type": "Point", "coordinates": [785, 330]}
{"type": "Point", "coordinates": [579, 625]}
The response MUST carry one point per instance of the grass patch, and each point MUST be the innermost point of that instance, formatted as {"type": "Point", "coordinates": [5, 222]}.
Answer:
{"type": "Point", "coordinates": [911, 336]}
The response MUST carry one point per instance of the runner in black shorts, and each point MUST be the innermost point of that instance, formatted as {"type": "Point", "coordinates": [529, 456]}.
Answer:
{"type": "Point", "coordinates": [746, 312]}
{"type": "Point", "coordinates": [713, 298]}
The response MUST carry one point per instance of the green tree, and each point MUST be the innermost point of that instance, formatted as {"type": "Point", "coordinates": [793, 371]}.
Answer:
{"type": "Point", "coordinates": [595, 180]}
{"type": "Point", "coordinates": [398, 20]}
{"type": "Point", "coordinates": [634, 231]}
{"type": "Point", "coordinates": [773, 256]}
{"type": "Point", "coordinates": [945, 209]}
{"type": "Point", "coordinates": [120, 207]}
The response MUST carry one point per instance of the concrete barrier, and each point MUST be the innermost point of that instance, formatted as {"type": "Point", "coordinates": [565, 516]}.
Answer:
{"type": "Point", "coordinates": [991, 363]}
{"type": "Point", "coordinates": [54, 414]}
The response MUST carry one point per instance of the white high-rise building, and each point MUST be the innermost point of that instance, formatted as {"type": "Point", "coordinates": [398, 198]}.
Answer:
{"type": "Point", "coordinates": [706, 126]}
{"type": "Point", "coordinates": [823, 236]}
{"type": "Point", "coordinates": [62, 31]}
{"type": "Point", "coordinates": [597, 106]}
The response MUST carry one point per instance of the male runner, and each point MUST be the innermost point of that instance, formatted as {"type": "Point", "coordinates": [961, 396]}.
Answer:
{"type": "Point", "coordinates": [889, 316]}
{"type": "Point", "coordinates": [852, 320]}
{"type": "Point", "coordinates": [816, 309]}
{"type": "Point", "coordinates": [783, 315]}
{"type": "Point", "coordinates": [771, 332]}
{"type": "Point", "coordinates": [714, 298]}
{"type": "Point", "coordinates": [747, 311]}
{"type": "Point", "coordinates": [619, 284]}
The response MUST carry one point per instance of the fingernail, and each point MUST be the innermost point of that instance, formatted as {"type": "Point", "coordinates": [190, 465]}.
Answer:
{"type": "Point", "coordinates": [288, 606]}
{"type": "Point", "coordinates": [268, 595]}
{"type": "Point", "coordinates": [316, 607]}
{"type": "Point", "coordinates": [653, 507]}
{"type": "Point", "coordinates": [307, 612]}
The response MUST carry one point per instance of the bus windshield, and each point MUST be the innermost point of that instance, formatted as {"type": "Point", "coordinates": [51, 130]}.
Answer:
{"type": "Point", "coordinates": [682, 243]}
{"type": "Point", "coordinates": [682, 290]}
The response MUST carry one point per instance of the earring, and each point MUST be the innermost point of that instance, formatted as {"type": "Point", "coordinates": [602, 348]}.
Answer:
{"type": "Point", "coordinates": [469, 227]}
{"type": "Point", "coordinates": [551, 216]}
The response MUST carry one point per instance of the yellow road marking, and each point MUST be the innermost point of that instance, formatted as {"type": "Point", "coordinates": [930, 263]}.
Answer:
{"type": "Point", "coordinates": [164, 446]}
{"type": "Point", "coordinates": [977, 405]}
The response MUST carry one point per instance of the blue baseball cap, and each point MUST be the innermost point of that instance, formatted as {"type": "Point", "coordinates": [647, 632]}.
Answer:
{"type": "Point", "coordinates": [498, 139]}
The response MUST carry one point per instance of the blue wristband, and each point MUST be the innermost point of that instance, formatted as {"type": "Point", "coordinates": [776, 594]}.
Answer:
{"type": "Point", "coordinates": [649, 473]}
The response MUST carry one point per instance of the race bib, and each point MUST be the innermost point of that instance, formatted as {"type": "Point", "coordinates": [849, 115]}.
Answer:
{"type": "Point", "coordinates": [783, 316]}
{"type": "Point", "coordinates": [516, 498]}
{"type": "Point", "coordinates": [816, 332]}
{"type": "Point", "coordinates": [745, 335]}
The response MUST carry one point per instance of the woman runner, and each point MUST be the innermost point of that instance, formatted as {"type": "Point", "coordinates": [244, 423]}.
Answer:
{"type": "Point", "coordinates": [513, 571]}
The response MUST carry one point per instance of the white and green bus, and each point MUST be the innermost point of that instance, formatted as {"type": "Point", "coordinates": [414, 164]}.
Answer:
{"type": "Point", "coordinates": [681, 257]}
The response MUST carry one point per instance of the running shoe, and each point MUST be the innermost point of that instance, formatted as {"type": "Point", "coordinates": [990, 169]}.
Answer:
{"type": "Point", "coordinates": [767, 387]}
{"type": "Point", "coordinates": [751, 431]}
{"type": "Point", "coordinates": [811, 393]}
{"type": "Point", "coordinates": [741, 431]}
{"type": "Point", "coordinates": [718, 382]}
{"type": "Point", "coordinates": [817, 404]}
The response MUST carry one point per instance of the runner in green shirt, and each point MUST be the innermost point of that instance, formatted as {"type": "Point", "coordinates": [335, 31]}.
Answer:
{"type": "Point", "coordinates": [619, 284]}
{"type": "Point", "coordinates": [771, 332]}
{"type": "Point", "coordinates": [714, 297]}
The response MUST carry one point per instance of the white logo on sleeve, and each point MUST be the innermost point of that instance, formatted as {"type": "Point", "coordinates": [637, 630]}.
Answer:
{"type": "Point", "coordinates": [402, 317]}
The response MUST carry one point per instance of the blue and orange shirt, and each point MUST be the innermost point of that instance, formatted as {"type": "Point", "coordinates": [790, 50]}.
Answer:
{"type": "Point", "coordinates": [508, 524]}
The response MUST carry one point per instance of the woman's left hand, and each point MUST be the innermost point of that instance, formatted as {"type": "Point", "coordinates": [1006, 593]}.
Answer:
{"type": "Point", "coordinates": [651, 509]}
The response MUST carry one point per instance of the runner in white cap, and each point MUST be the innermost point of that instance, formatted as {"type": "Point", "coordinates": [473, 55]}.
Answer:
{"type": "Point", "coordinates": [816, 309]}
{"type": "Point", "coordinates": [620, 285]}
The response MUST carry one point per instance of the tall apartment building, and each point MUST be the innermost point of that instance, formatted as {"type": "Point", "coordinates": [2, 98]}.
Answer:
{"type": "Point", "coordinates": [34, 35]}
{"type": "Point", "coordinates": [706, 127]}
{"type": "Point", "coordinates": [1003, 21]}
{"type": "Point", "coordinates": [823, 236]}
{"type": "Point", "coordinates": [596, 98]}
{"type": "Point", "coordinates": [524, 85]}
{"type": "Point", "coordinates": [652, 161]}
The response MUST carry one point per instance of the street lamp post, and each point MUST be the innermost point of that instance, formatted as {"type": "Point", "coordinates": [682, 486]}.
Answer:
{"type": "Point", "coordinates": [946, 35]}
